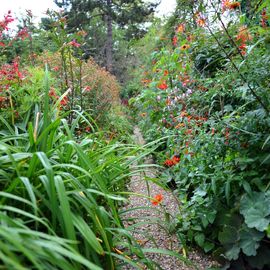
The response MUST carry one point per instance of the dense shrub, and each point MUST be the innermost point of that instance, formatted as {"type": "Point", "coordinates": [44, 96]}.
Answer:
{"type": "Point", "coordinates": [208, 94]}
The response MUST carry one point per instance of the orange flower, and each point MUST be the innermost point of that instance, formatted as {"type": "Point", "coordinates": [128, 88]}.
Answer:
{"type": "Point", "coordinates": [176, 159]}
{"type": "Point", "coordinates": [166, 72]}
{"type": "Point", "coordinates": [180, 28]}
{"type": "Point", "coordinates": [157, 199]}
{"type": "Point", "coordinates": [200, 20]}
{"type": "Point", "coordinates": [184, 47]}
{"type": "Point", "coordinates": [227, 4]}
{"type": "Point", "coordinates": [243, 35]}
{"type": "Point", "coordinates": [180, 125]}
{"type": "Point", "coordinates": [172, 162]}
{"type": "Point", "coordinates": [183, 114]}
{"type": "Point", "coordinates": [234, 5]}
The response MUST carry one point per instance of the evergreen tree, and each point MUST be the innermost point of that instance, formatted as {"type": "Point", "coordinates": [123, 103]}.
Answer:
{"type": "Point", "coordinates": [127, 14]}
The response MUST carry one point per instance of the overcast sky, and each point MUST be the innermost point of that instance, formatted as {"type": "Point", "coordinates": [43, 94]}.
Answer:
{"type": "Point", "coordinates": [38, 7]}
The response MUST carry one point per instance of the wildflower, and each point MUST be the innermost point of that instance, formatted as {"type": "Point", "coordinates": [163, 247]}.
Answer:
{"type": "Point", "coordinates": [176, 159]}
{"type": "Point", "coordinates": [172, 162]}
{"type": "Point", "coordinates": [56, 68]}
{"type": "Point", "coordinates": [143, 114]}
{"type": "Point", "coordinates": [188, 131]}
{"type": "Point", "coordinates": [183, 114]}
{"type": "Point", "coordinates": [157, 199]}
{"type": "Point", "coordinates": [190, 38]}
{"type": "Point", "coordinates": [168, 163]}
{"type": "Point", "coordinates": [52, 93]}
{"type": "Point", "coordinates": [23, 34]}
{"type": "Point", "coordinates": [163, 86]}
{"type": "Point", "coordinates": [82, 33]}
{"type": "Point", "coordinates": [64, 101]}
{"type": "Point", "coordinates": [74, 44]}
{"type": "Point", "coordinates": [243, 35]}
{"type": "Point", "coordinates": [243, 48]}
{"type": "Point", "coordinates": [87, 88]}
{"type": "Point", "coordinates": [88, 129]}
{"type": "Point", "coordinates": [166, 72]}
{"type": "Point", "coordinates": [227, 4]}
{"type": "Point", "coordinates": [200, 20]}
{"type": "Point", "coordinates": [234, 5]}
{"type": "Point", "coordinates": [168, 101]}
{"type": "Point", "coordinates": [175, 40]}
{"type": "Point", "coordinates": [180, 28]}
{"type": "Point", "coordinates": [264, 19]}
{"type": "Point", "coordinates": [184, 47]}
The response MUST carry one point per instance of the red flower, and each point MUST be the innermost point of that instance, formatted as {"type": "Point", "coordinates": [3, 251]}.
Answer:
{"type": "Point", "coordinates": [52, 93]}
{"type": "Point", "coordinates": [163, 86]}
{"type": "Point", "coordinates": [264, 19]}
{"type": "Point", "coordinates": [88, 129]}
{"type": "Point", "coordinates": [157, 199]}
{"type": "Point", "coordinates": [64, 101]}
{"type": "Point", "coordinates": [176, 159]}
{"type": "Point", "coordinates": [23, 34]}
{"type": "Point", "coordinates": [74, 43]}
{"type": "Point", "coordinates": [175, 40]}
{"type": "Point", "coordinates": [87, 88]}
{"type": "Point", "coordinates": [172, 162]}
{"type": "Point", "coordinates": [56, 68]}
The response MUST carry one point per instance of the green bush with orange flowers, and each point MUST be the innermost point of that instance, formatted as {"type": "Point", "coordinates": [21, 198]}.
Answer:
{"type": "Point", "coordinates": [207, 93]}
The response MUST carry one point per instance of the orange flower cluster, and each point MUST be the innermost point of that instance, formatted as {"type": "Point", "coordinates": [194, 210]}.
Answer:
{"type": "Point", "coordinates": [200, 20]}
{"type": "Point", "coordinates": [228, 5]}
{"type": "Point", "coordinates": [172, 162]}
{"type": "Point", "coordinates": [180, 28]}
{"type": "Point", "coordinates": [157, 199]}
{"type": "Point", "coordinates": [243, 36]}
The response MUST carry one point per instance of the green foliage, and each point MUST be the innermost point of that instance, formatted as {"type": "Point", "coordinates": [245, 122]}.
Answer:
{"type": "Point", "coordinates": [208, 94]}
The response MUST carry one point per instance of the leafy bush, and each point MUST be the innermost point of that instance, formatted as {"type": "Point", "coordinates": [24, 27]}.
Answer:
{"type": "Point", "coordinates": [207, 93]}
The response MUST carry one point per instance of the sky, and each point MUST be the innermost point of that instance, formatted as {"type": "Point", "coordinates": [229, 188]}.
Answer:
{"type": "Point", "coordinates": [38, 7]}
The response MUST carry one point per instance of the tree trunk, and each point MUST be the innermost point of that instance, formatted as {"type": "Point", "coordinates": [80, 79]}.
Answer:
{"type": "Point", "coordinates": [109, 42]}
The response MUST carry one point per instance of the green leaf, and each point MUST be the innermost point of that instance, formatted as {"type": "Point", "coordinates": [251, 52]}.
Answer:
{"type": "Point", "coordinates": [250, 241]}
{"type": "Point", "coordinates": [199, 239]}
{"type": "Point", "coordinates": [256, 211]}
{"type": "Point", "coordinates": [208, 246]}
{"type": "Point", "coordinates": [229, 238]}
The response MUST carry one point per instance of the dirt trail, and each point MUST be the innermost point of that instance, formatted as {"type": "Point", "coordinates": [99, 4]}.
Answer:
{"type": "Point", "coordinates": [155, 235]}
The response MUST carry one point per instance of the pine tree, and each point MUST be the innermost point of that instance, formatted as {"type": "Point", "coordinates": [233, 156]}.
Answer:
{"type": "Point", "coordinates": [127, 14]}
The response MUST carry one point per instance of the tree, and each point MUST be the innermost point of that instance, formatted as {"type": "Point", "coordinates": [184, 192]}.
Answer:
{"type": "Point", "coordinates": [126, 14]}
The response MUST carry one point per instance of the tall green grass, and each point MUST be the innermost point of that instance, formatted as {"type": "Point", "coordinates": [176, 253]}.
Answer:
{"type": "Point", "coordinates": [60, 196]}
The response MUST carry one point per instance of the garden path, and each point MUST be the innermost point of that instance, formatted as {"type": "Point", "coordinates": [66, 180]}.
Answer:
{"type": "Point", "coordinates": [156, 235]}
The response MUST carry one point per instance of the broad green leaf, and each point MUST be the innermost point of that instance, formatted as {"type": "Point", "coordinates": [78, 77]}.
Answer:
{"type": "Point", "coordinates": [255, 209]}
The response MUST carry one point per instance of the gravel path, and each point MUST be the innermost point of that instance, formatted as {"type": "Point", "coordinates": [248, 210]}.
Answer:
{"type": "Point", "coordinates": [156, 235]}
